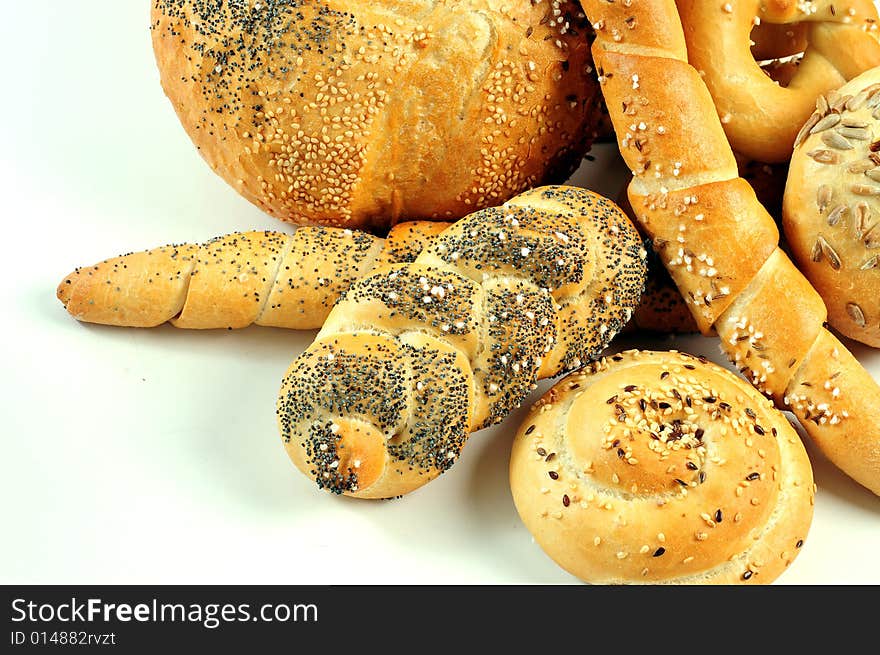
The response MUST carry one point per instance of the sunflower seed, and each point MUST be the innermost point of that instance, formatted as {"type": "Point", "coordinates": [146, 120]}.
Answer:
{"type": "Point", "coordinates": [874, 174]}
{"type": "Point", "coordinates": [824, 156]}
{"type": "Point", "coordinates": [876, 114]}
{"type": "Point", "coordinates": [822, 105]}
{"type": "Point", "coordinates": [861, 212]}
{"type": "Point", "coordinates": [835, 140]}
{"type": "Point", "coordinates": [816, 253]}
{"type": "Point", "coordinates": [806, 129]}
{"type": "Point", "coordinates": [851, 123]}
{"type": "Point", "coordinates": [856, 314]}
{"type": "Point", "coordinates": [858, 100]}
{"type": "Point", "coordinates": [861, 166]}
{"type": "Point", "coordinates": [857, 133]}
{"type": "Point", "coordinates": [829, 252]}
{"type": "Point", "coordinates": [836, 214]}
{"type": "Point", "coordinates": [865, 190]}
{"type": "Point", "coordinates": [839, 105]}
{"type": "Point", "coordinates": [823, 197]}
{"type": "Point", "coordinates": [873, 100]}
{"type": "Point", "coordinates": [873, 262]}
{"type": "Point", "coordinates": [825, 123]}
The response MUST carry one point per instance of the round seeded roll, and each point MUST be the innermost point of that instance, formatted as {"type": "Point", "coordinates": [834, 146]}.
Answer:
{"type": "Point", "coordinates": [356, 114]}
{"type": "Point", "coordinates": [661, 467]}
{"type": "Point", "coordinates": [831, 206]}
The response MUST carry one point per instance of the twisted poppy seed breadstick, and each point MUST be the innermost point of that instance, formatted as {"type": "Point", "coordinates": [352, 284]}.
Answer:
{"type": "Point", "coordinates": [146, 289]}
{"type": "Point", "coordinates": [717, 241]}
{"type": "Point", "coordinates": [267, 278]}
{"type": "Point", "coordinates": [415, 357]}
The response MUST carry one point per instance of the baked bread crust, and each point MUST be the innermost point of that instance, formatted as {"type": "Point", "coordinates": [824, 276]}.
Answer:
{"type": "Point", "coordinates": [662, 468]}
{"type": "Point", "coordinates": [761, 118]}
{"type": "Point", "coordinates": [415, 357]}
{"type": "Point", "coordinates": [362, 114]}
{"type": "Point", "coordinates": [770, 320]}
{"type": "Point", "coordinates": [831, 206]}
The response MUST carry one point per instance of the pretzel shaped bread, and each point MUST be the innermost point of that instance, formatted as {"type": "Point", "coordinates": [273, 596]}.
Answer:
{"type": "Point", "coordinates": [760, 117]}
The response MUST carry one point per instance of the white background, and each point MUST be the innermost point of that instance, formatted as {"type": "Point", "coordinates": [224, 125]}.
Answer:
{"type": "Point", "coordinates": [152, 456]}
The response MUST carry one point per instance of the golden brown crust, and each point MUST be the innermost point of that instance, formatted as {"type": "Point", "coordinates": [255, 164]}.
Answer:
{"type": "Point", "coordinates": [761, 327]}
{"type": "Point", "coordinates": [652, 467]}
{"type": "Point", "coordinates": [787, 317]}
{"type": "Point", "coordinates": [229, 277]}
{"type": "Point", "coordinates": [425, 353]}
{"type": "Point", "coordinates": [142, 289]}
{"type": "Point", "coordinates": [836, 399]}
{"type": "Point", "coordinates": [691, 229]}
{"type": "Point", "coordinates": [831, 212]}
{"type": "Point", "coordinates": [248, 263]}
{"type": "Point", "coordinates": [358, 114]}
{"type": "Point", "coordinates": [654, 99]}
{"type": "Point", "coordinates": [662, 308]}
{"type": "Point", "coordinates": [761, 118]}
{"type": "Point", "coordinates": [320, 265]}
{"type": "Point", "coordinates": [232, 281]}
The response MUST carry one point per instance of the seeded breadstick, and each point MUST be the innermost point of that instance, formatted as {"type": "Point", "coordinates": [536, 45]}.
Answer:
{"type": "Point", "coordinates": [717, 241]}
{"type": "Point", "coordinates": [415, 357]}
{"type": "Point", "coordinates": [150, 288]}
{"type": "Point", "coordinates": [267, 278]}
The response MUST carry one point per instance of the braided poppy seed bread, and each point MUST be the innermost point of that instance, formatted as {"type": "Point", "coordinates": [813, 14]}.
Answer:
{"type": "Point", "coordinates": [662, 468]}
{"type": "Point", "coordinates": [356, 114]}
{"type": "Point", "coordinates": [831, 214]}
{"type": "Point", "coordinates": [717, 241]}
{"type": "Point", "coordinates": [415, 357]}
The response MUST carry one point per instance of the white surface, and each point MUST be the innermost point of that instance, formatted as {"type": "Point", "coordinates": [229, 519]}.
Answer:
{"type": "Point", "coordinates": [153, 456]}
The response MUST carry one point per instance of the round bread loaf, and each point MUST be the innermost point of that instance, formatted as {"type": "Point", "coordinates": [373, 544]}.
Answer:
{"type": "Point", "coordinates": [831, 206]}
{"type": "Point", "coordinates": [661, 467]}
{"type": "Point", "coordinates": [361, 114]}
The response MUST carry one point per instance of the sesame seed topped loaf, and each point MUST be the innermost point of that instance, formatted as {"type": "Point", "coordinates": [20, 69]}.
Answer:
{"type": "Point", "coordinates": [662, 468]}
{"type": "Point", "coordinates": [358, 114]}
{"type": "Point", "coordinates": [415, 357]}
{"type": "Point", "coordinates": [832, 206]}
{"type": "Point", "coordinates": [718, 242]}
